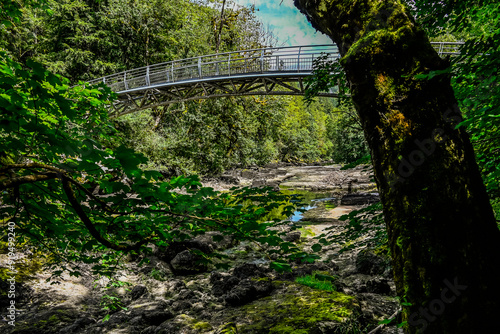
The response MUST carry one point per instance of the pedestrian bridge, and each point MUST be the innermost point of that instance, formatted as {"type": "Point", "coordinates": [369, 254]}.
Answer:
{"type": "Point", "coordinates": [267, 71]}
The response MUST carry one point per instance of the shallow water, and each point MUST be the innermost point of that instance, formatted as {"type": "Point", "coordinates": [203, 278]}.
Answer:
{"type": "Point", "coordinates": [297, 215]}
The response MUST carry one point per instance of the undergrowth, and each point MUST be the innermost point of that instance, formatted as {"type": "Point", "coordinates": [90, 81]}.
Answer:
{"type": "Point", "coordinates": [317, 281]}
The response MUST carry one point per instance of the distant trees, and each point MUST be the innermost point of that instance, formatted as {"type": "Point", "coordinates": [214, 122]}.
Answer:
{"type": "Point", "coordinates": [218, 134]}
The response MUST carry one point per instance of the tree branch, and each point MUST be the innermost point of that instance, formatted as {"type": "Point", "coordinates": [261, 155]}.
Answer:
{"type": "Point", "coordinates": [88, 223]}
{"type": "Point", "coordinates": [16, 181]}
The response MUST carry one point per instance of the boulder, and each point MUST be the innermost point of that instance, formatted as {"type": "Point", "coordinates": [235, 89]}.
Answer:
{"type": "Point", "coordinates": [292, 236]}
{"type": "Point", "coordinates": [215, 240]}
{"type": "Point", "coordinates": [247, 270]}
{"type": "Point", "coordinates": [169, 253]}
{"type": "Point", "coordinates": [156, 318]}
{"type": "Point", "coordinates": [138, 291]}
{"type": "Point", "coordinates": [369, 263]}
{"type": "Point", "coordinates": [231, 179]}
{"type": "Point", "coordinates": [47, 322]}
{"type": "Point", "coordinates": [77, 326]}
{"type": "Point", "coordinates": [24, 293]}
{"type": "Point", "coordinates": [187, 263]}
{"type": "Point", "coordinates": [360, 199]}
{"type": "Point", "coordinates": [247, 291]}
{"type": "Point", "coordinates": [222, 283]}
{"type": "Point", "coordinates": [248, 174]}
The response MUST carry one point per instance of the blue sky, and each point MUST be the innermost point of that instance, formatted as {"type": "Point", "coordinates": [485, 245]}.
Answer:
{"type": "Point", "coordinates": [288, 24]}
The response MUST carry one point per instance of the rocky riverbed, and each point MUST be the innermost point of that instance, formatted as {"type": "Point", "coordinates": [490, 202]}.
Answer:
{"type": "Point", "coordinates": [173, 294]}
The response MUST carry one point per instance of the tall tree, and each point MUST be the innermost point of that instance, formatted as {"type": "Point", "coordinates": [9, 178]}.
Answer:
{"type": "Point", "coordinates": [441, 227]}
{"type": "Point", "coordinates": [221, 23]}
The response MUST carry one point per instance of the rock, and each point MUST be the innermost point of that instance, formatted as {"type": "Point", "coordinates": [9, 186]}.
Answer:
{"type": "Point", "coordinates": [186, 294]}
{"type": "Point", "coordinates": [137, 321]}
{"type": "Point", "coordinates": [23, 292]}
{"type": "Point", "coordinates": [119, 317]}
{"type": "Point", "coordinates": [247, 291]}
{"type": "Point", "coordinates": [198, 307]}
{"type": "Point", "coordinates": [379, 286]}
{"type": "Point", "coordinates": [241, 294]}
{"type": "Point", "coordinates": [138, 291]}
{"type": "Point", "coordinates": [360, 199]}
{"type": "Point", "coordinates": [169, 327]}
{"type": "Point", "coordinates": [303, 269]}
{"type": "Point", "coordinates": [248, 174]}
{"type": "Point", "coordinates": [360, 283]}
{"type": "Point", "coordinates": [248, 270]}
{"type": "Point", "coordinates": [222, 283]}
{"type": "Point", "coordinates": [230, 179]}
{"type": "Point", "coordinates": [263, 288]}
{"type": "Point", "coordinates": [149, 330]}
{"type": "Point", "coordinates": [327, 327]}
{"type": "Point", "coordinates": [215, 240]}
{"type": "Point", "coordinates": [47, 322]}
{"type": "Point", "coordinates": [369, 263]}
{"type": "Point", "coordinates": [181, 305]}
{"type": "Point", "coordinates": [175, 286]}
{"type": "Point", "coordinates": [376, 307]}
{"type": "Point", "coordinates": [77, 326]}
{"type": "Point", "coordinates": [293, 308]}
{"type": "Point", "coordinates": [187, 263]}
{"type": "Point", "coordinates": [292, 236]}
{"type": "Point", "coordinates": [140, 309]}
{"type": "Point", "coordinates": [156, 318]}
{"type": "Point", "coordinates": [258, 183]}
{"type": "Point", "coordinates": [176, 247]}
{"type": "Point", "coordinates": [281, 171]}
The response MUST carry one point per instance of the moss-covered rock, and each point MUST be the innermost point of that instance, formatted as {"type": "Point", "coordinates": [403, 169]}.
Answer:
{"type": "Point", "coordinates": [26, 267]}
{"type": "Point", "coordinates": [293, 309]}
{"type": "Point", "coordinates": [47, 322]}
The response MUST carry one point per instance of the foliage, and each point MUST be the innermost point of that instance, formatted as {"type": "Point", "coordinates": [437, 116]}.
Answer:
{"type": "Point", "coordinates": [327, 75]}
{"type": "Point", "coordinates": [85, 39]}
{"type": "Point", "coordinates": [71, 194]}
{"type": "Point", "coordinates": [210, 136]}
{"type": "Point", "coordinates": [317, 281]}
{"type": "Point", "coordinates": [495, 203]}
{"type": "Point", "coordinates": [346, 135]}
{"type": "Point", "coordinates": [239, 27]}
{"type": "Point", "coordinates": [476, 73]}
{"type": "Point", "coordinates": [365, 227]}
{"type": "Point", "coordinates": [344, 130]}
{"type": "Point", "coordinates": [111, 300]}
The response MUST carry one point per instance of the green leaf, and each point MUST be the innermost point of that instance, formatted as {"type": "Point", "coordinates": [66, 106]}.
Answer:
{"type": "Point", "coordinates": [385, 321]}
{"type": "Point", "coordinates": [280, 266]}
{"type": "Point", "coordinates": [316, 247]}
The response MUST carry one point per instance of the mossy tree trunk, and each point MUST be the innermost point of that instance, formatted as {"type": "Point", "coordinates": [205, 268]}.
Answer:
{"type": "Point", "coordinates": [441, 227]}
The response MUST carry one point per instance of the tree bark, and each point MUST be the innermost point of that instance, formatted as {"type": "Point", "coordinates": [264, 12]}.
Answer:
{"type": "Point", "coordinates": [442, 232]}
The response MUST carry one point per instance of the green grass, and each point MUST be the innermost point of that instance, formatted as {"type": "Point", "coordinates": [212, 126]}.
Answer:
{"type": "Point", "coordinates": [317, 281]}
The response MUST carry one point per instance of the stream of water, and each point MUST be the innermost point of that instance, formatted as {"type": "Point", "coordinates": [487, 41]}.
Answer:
{"type": "Point", "coordinates": [312, 199]}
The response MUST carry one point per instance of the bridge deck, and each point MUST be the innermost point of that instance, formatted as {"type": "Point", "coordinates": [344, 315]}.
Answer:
{"type": "Point", "coordinates": [268, 71]}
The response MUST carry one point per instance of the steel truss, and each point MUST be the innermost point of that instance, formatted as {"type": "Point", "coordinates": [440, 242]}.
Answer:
{"type": "Point", "coordinates": [261, 84]}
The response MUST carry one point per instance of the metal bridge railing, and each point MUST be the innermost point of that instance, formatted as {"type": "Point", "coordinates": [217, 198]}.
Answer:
{"type": "Point", "coordinates": [291, 59]}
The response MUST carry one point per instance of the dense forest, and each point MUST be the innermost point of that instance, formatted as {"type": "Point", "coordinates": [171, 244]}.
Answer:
{"type": "Point", "coordinates": [84, 40]}
{"type": "Point", "coordinates": [87, 188]}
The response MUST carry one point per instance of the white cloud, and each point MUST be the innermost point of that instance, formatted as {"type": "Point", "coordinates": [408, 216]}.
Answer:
{"type": "Point", "coordinates": [288, 24]}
